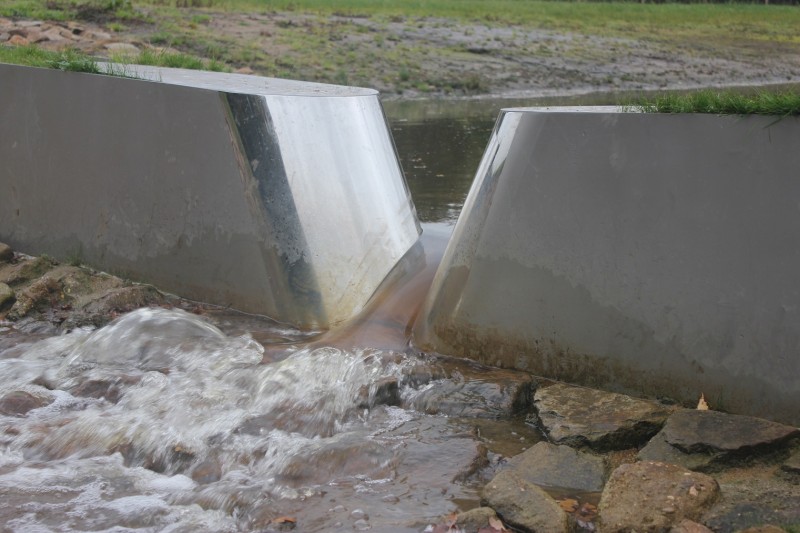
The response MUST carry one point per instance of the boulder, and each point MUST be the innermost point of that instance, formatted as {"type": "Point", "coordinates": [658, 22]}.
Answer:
{"type": "Point", "coordinates": [577, 416]}
{"type": "Point", "coordinates": [549, 465]}
{"type": "Point", "coordinates": [653, 496]}
{"type": "Point", "coordinates": [524, 505]}
{"type": "Point", "coordinates": [689, 526]}
{"type": "Point", "coordinates": [709, 440]}
{"type": "Point", "coordinates": [474, 520]}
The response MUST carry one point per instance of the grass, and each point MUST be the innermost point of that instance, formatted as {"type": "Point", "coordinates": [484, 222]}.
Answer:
{"type": "Point", "coordinates": [782, 103]}
{"type": "Point", "coordinates": [33, 56]}
{"type": "Point", "coordinates": [74, 61]}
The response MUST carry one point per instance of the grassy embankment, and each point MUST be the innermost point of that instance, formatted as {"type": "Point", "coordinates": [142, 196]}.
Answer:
{"type": "Point", "coordinates": [781, 103]}
{"type": "Point", "coordinates": [301, 39]}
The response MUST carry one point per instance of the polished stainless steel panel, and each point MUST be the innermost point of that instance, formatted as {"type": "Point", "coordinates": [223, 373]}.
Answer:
{"type": "Point", "coordinates": [651, 254]}
{"type": "Point", "coordinates": [271, 196]}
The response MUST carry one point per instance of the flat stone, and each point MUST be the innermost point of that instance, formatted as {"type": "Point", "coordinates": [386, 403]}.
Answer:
{"type": "Point", "coordinates": [476, 393]}
{"type": "Point", "coordinates": [654, 496]}
{"type": "Point", "coordinates": [523, 504]}
{"type": "Point", "coordinates": [688, 526]}
{"type": "Point", "coordinates": [578, 416]}
{"type": "Point", "coordinates": [549, 465]}
{"type": "Point", "coordinates": [6, 296]}
{"type": "Point", "coordinates": [693, 431]}
{"type": "Point", "coordinates": [4, 36]}
{"type": "Point", "coordinates": [658, 449]}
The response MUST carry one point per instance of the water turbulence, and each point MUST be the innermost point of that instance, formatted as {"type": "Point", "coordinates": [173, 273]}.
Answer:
{"type": "Point", "coordinates": [163, 420]}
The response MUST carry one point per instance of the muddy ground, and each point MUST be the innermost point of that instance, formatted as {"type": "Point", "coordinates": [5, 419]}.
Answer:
{"type": "Point", "coordinates": [424, 57]}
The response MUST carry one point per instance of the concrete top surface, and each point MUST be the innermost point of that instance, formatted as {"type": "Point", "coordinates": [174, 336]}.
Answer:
{"type": "Point", "coordinates": [236, 83]}
{"type": "Point", "coordinates": [572, 109]}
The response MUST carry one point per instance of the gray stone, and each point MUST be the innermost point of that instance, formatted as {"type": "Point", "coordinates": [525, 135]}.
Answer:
{"type": "Point", "coordinates": [578, 416]}
{"type": "Point", "coordinates": [658, 449]}
{"type": "Point", "coordinates": [4, 37]}
{"type": "Point", "coordinates": [6, 253]}
{"type": "Point", "coordinates": [693, 431]}
{"type": "Point", "coordinates": [549, 465]}
{"type": "Point", "coordinates": [6, 296]}
{"type": "Point", "coordinates": [476, 393]}
{"type": "Point", "coordinates": [523, 504]}
{"type": "Point", "coordinates": [653, 496]}
{"type": "Point", "coordinates": [475, 519]}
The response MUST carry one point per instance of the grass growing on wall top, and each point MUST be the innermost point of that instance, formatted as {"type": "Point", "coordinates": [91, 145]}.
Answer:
{"type": "Point", "coordinates": [782, 103]}
{"type": "Point", "coordinates": [33, 56]}
{"type": "Point", "coordinates": [75, 61]}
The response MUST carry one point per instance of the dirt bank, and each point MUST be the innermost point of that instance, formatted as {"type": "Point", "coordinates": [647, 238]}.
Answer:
{"type": "Point", "coordinates": [424, 57]}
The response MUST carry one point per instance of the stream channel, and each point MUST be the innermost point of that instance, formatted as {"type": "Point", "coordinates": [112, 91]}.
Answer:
{"type": "Point", "coordinates": [167, 421]}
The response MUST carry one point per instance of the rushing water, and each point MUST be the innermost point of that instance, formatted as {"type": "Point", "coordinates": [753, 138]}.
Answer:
{"type": "Point", "coordinates": [167, 421]}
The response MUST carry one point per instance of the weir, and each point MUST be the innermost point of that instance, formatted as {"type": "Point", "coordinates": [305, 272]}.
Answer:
{"type": "Point", "coordinates": [269, 196]}
{"type": "Point", "coordinates": [650, 254]}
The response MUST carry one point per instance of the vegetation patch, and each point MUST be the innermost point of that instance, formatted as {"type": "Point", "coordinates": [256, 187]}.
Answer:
{"type": "Point", "coordinates": [725, 102]}
{"type": "Point", "coordinates": [33, 56]}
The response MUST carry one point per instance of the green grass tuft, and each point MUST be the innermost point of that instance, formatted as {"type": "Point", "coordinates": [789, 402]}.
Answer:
{"type": "Point", "coordinates": [724, 102]}
{"type": "Point", "coordinates": [32, 56]}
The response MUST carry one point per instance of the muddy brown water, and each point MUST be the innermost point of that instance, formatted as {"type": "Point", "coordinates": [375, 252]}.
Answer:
{"type": "Point", "coordinates": [167, 421]}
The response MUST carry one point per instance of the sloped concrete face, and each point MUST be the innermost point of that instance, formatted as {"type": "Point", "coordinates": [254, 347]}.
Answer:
{"type": "Point", "coordinates": [269, 196]}
{"type": "Point", "coordinates": [649, 254]}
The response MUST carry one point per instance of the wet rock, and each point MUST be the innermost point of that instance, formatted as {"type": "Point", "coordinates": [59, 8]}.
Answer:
{"type": "Point", "coordinates": [385, 391]}
{"type": "Point", "coordinates": [689, 526]}
{"type": "Point", "coordinates": [709, 440]}
{"type": "Point", "coordinates": [207, 471]}
{"type": "Point", "coordinates": [653, 496]}
{"type": "Point", "coordinates": [6, 253]}
{"type": "Point", "coordinates": [45, 291]}
{"type": "Point", "coordinates": [523, 504]}
{"type": "Point", "coordinates": [18, 403]}
{"type": "Point", "coordinates": [548, 465]}
{"type": "Point", "coordinates": [109, 390]}
{"type": "Point", "coordinates": [6, 296]}
{"type": "Point", "coordinates": [337, 461]}
{"type": "Point", "coordinates": [475, 519]}
{"type": "Point", "coordinates": [477, 392]}
{"type": "Point", "coordinates": [578, 416]}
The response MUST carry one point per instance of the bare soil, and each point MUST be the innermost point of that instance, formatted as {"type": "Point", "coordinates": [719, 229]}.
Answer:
{"type": "Point", "coordinates": [427, 57]}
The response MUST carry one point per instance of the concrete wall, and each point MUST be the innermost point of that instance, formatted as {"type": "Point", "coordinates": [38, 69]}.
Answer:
{"type": "Point", "coordinates": [273, 197]}
{"type": "Point", "coordinates": [651, 254]}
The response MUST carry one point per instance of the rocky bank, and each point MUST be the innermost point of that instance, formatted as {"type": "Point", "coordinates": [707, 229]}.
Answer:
{"type": "Point", "coordinates": [603, 461]}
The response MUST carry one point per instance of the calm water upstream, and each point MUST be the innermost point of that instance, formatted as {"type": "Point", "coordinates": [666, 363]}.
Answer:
{"type": "Point", "coordinates": [167, 421]}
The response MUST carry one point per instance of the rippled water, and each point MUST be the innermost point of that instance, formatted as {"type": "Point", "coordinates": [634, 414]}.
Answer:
{"type": "Point", "coordinates": [164, 421]}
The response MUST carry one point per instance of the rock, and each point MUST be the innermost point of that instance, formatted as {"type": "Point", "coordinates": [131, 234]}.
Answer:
{"type": "Point", "coordinates": [123, 49]}
{"type": "Point", "coordinates": [98, 35]}
{"type": "Point", "coordinates": [6, 296]}
{"type": "Point", "coordinates": [244, 70]}
{"type": "Point", "coordinates": [578, 416]}
{"type": "Point", "coordinates": [207, 471]}
{"type": "Point", "coordinates": [793, 463]}
{"type": "Point", "coordinates": [6, 253]}
{"type": "Point", "coordinates": [710, 440]}
{"type": "Point", "coordinates": [4, 37]}
{"type": "Point", "coordinates": [18, 40]}
{"type": "Point", "coordinates": [658, 449]}
{"type": "Point", "coordinates": [474, 519]}
{"type": "Point", "coordinates": [693, 431]}
{"type": "Point", "coordinates": [653, 496]}
{"type": "Point", "coordinates": [548, 465]}
{"type": "Point", "coordinates": [18, 403]}
{"type": "Point", "coordinates": [688, 526]}
{"type": "Point", "coordinates": [476, 392]}
{"type": "Point", "coordinates": [523, 504]}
